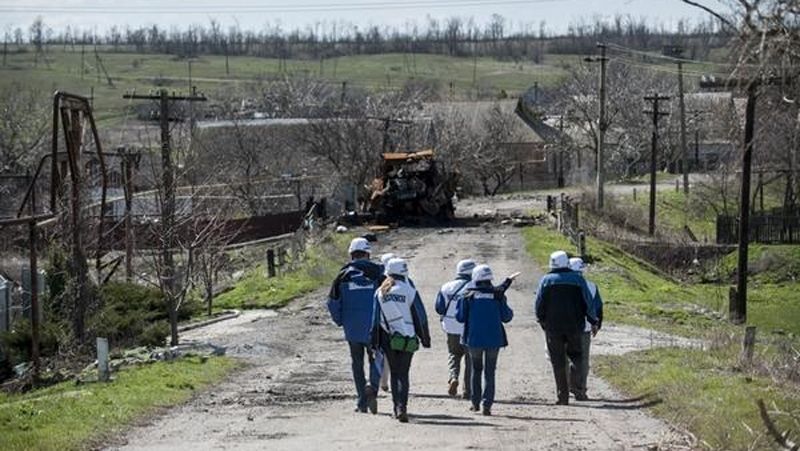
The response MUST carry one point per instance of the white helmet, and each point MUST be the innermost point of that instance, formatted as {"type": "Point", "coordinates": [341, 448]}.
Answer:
{"type": "Point", "coordinates": [386, 257]}
{"type": "Point", "coordinates": [559, 260]}
{"type": "Point", "coordinates": [577, 264]}
{"type": "Point", "coordinates": [465, 267]}
{"type": "Point", "coordinates": [482, 273]}
{"type": "Point", "coordinates": [397, 267]}
{"type": "Point", "coordinates": [359, 245]}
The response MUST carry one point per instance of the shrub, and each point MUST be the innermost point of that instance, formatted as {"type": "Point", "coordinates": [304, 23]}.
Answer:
{"type": "Point", "coordinates": [155, 334]}
{"type": "Point", "coordinates": [129, 314]}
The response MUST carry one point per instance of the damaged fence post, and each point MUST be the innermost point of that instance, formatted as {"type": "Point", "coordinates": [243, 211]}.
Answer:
{"type": "Point", "coordinates": [748, 345]}
{"type": "Point", "coordinates": [102, 359]}
{"type": "Point", "coordinates": [582, 244]}
{"type": "Point", "coordinates": [270, 263]}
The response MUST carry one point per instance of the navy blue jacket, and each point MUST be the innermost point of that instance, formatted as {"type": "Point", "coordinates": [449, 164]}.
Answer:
{"type": "Point", "coordinates": [563, 302]}
{"type": "Point", "coordinates": [483, 309]}
{"type": "Point", "coordinates": [351, 299]}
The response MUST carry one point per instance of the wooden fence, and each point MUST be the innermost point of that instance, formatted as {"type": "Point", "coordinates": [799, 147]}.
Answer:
{"type": "Point", "coordinates": [767, 229]}
{"type": "Point", "coordinates": [567, 212]}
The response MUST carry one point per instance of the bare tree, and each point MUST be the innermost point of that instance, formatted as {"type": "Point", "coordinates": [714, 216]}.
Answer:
{"type": "Point", "coordinates": [23, 126]}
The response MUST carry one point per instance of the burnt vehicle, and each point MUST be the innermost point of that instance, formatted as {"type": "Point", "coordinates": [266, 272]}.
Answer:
{"type": "Point", "coordinates": [413, 185]}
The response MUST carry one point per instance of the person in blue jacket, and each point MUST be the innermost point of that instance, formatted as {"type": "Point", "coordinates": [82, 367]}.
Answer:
{"type": "Point", "coordinates": [351, 305]}
{"type": "Point", "coordinates": [579, 375]}
{"type": "Point", "coordinates": [563, 306]}
{"type": "Point", "coordinates": [483, 309]}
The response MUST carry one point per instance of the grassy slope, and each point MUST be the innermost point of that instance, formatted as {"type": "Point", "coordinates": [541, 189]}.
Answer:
{"type": "Point", "coordinates": [66, 416]}
{"type": "Point", "coordinates": [704, 391]}
{"type": "Point", "coordinates": [318, 267]}
{"type": "Point", "coordinates": [140, 71]}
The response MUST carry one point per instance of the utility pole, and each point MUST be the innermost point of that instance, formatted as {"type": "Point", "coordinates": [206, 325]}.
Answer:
{"type": "Point", "coordinates": [738, 303]}
{"type": "Point", "coordinates": [739, 312]}
{"type": "Point", "coordinates": [168, 206]}
{"type": "Point", "coordinates": [684, 147]}
{"type": "Point", "coordinates": [655, 99]}
{"type": "Point", "coordinates": [601, 125]}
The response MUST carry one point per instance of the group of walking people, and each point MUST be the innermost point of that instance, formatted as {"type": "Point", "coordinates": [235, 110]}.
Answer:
{"type": "Point", "coordinates": [385, 322]}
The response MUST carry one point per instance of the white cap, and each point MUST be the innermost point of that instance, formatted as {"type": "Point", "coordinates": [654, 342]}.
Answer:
{"type": "Point", "coordinates": [559, 260]}
{"type": "Point", "coordinates": [482, 273]}
{"type": "Point", "coordinates": [397, 267]}
{"type": "Point", "coordinates": [577, 264]}
{"type": "Point", "coordinates": [359, 245]}
{"type": "Point", "coordinates": [386, 257]}
{"type": "Point", "coordinates": [465, 267]}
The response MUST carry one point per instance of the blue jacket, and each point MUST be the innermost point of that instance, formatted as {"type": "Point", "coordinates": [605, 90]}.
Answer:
{"type": "Point", "coordinates": [597, 303]}
{"type": "Point", "coordinates": [483, 309]}
{"type": "Point", "coordinates": [564, 303]}
{"type": "Point", "coordinates": [351, 299]}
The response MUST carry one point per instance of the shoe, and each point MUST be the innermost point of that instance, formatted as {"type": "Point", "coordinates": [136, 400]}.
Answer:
{"type": "Point", "coordinates": [487, 411]}
{"type": "Point", "coordinates": [402, 415]}
{"type": "Point", "coordinates": [452, 390]}
{"type": "Point", "coordinates": [466, 395]}
{"type": "Point", "coordinates": [562, 402]}
{"type": "Point", "coordinates": [361, 410]}
{"type": "Point", "coordinates": [474, 408]}
{"type": "Point", "coordinates": [372, 399]}
{"type": "Point", "coordinates": [581, 397]}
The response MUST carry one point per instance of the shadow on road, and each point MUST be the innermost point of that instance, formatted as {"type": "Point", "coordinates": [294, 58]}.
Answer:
{"type": "Point", "coordinates": [447, 420]}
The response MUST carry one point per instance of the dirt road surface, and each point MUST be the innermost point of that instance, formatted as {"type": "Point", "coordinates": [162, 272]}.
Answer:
{"type": "Point", "coordinates": [296, 392]}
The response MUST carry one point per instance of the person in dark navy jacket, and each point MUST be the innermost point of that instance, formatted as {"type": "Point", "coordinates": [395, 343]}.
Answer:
{"type": "Point", "coordinates": [483, 309]}
{"type": "Point", "coordinates": [563, 306]}
{"type": "Point", "coordinates": [351, 305]}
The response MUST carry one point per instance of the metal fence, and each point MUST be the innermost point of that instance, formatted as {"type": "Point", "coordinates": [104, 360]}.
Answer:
{"type": "Point", "coordinates": [766, 229]}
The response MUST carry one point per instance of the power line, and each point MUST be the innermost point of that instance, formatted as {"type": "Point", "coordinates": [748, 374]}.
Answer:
{"type": "Point", "coordinates": [285, 8]}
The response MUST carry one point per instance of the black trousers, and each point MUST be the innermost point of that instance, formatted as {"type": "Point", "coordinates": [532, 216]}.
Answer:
{"type": "Point", "coordinates": [399, 368]}
{"type": "Point", "coordinates": [564, 349]}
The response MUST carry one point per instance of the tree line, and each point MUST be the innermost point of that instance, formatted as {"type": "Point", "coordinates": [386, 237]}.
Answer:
{"type": "Point", "coordinates": [455, 36]}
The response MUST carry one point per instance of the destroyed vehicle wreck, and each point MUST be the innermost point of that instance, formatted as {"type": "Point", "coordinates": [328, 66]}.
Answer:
{"type": "Point", "coordinates": [412, 185]}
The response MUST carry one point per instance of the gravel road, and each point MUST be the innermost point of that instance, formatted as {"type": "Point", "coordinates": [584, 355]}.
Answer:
{"type": "Point", "coordinates": [296, 392]}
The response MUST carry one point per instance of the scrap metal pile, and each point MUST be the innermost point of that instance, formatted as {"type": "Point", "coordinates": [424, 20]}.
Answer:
{"type": "Point", "coordinates": [413, 185]}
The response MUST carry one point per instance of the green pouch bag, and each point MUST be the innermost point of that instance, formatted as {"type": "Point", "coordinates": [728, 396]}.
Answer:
{"type": "Point", "coordinates": [405, 344]}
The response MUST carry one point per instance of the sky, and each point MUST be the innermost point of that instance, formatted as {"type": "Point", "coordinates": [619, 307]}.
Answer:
{"type": "Point", "coordinates": [256, 14]}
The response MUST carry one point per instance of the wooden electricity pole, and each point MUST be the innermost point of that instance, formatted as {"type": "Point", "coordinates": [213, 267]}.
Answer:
{"type": "Point", "coordinates": [601, 125]}
{"type": "Point", "coordinates": [168, 207]}
{"type": "Point", "coordinates": [655, 99]}
{"type": "Point", "coordinates": [684, 146]}
{"type": "Point", "coordinates": [738, 303]}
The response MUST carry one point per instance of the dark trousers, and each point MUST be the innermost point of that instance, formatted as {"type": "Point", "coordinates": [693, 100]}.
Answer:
{"type": "Point", "coordinates": [357, 351]}
{"type": "Point", "coordinates": [455, 352]}
{"type": "Point", "coordinates": [399, 368]}
{"type": "Point", "coordinates": [579, 374]}
{"type": "Point", "coordinates": [562, 347]}
{"type": "Point", "coordinates": [484, 364]}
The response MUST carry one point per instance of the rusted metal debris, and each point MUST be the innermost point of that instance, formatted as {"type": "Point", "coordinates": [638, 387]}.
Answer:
{"type": "Point", "coordinates": [413, 184]}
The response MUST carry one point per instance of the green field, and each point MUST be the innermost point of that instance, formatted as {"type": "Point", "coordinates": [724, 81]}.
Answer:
{"type": "Point", "coordinates": [145, 72]}
{"type": "Point", "coordinates": [67, 416]}
{"type": "Point", "coordinates": [317, 267]}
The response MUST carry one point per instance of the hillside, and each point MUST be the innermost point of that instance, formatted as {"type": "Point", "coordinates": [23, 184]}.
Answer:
{"type": "Point", "coordinates": [145, 72]}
